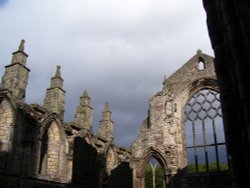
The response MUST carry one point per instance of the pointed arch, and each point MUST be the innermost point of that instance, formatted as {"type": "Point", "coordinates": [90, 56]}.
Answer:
{"type": "Point", "coordinates": [158, 155]}
{"type": "Point", "coordinates": [51, 148]}
{"type": "Point", "coordinates": [204, 142]}
{"type": "Point", "coordinates": [111, 160]}
{"type": "Point", "coordinates": [7, 121]}
{"type": "Point", "coordinates": [47, 122]}
{"type": "Point", "coordinates": [207, 82]}
{"type": "Point", "coordinates": [139, 165]}
{"type": "Point", "coordinates": [201, 64]}
{"type": "Point", "coordinates": [6, 124]}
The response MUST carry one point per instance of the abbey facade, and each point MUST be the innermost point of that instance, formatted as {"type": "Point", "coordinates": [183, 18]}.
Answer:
{"type": "Point", "coordinates": [183, 132]}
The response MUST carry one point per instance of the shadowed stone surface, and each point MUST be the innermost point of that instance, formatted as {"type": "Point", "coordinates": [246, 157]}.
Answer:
{"type": "Point", "coordinates": [23, 126]}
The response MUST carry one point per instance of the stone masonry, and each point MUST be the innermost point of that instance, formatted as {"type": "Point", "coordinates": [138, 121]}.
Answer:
{"type": "Point", "coordinates": [55, 95]}
{"type": "Point", "coordinates": [16, 75]}
{"type": "Point", "coordinates": [28, 131]}
{"type": "Point", "coordinates": [39, 149]}
{"type": "Point", "coordinates": [162, 133]}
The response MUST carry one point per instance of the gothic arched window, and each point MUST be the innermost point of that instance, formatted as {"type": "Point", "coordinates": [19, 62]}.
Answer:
{"type": "Point", "coordinates": [50, 151]}
{"type": "Point", "coordinates": [201, 64]}
{"type": "Point", "coordinates": [6, 121]}
{"type": "Point", "coordinates": [154, 174]}
{"type": "Point", "coordinates": [204, 132]}
{"type": "Point", "coordinates": [44, 153]}
{"type": "Point", "coordinates": [110, 161]}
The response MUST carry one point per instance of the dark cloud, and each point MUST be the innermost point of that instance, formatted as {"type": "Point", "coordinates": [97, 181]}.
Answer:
{"type": "Point", "coordinates": [118, 50]}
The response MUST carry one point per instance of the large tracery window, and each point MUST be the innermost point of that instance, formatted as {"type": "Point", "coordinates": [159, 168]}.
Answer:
{"type": "Point", "coordinates": [205, 140]}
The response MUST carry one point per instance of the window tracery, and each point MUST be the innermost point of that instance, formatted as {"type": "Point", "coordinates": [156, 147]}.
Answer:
{"type": "Point", "coordinates": [205, 140]}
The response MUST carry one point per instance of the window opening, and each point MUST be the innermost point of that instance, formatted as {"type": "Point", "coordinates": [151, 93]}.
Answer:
{"type": "Point", "coordinates": [205, 140]}
{"type": "Point", "coordinates": [201, 64]}
{"type": "Point", "coordinates": [43, 154]}
{"type": "Point", "coordinates": [154, 177]}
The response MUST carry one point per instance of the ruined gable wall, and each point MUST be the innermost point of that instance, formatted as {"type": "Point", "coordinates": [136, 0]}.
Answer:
{"type": "Point", "coordinates": [162, 131]}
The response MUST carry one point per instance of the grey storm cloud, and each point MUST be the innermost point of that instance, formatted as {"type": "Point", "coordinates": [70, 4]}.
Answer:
{"type": "Point", "coordinates": [119, 50]}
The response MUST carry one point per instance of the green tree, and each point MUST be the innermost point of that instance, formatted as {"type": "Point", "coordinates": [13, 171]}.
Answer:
{"type": "Point", "coordinates": [148, 177]}
{"type": "Point", "coordinates": [158, 177]}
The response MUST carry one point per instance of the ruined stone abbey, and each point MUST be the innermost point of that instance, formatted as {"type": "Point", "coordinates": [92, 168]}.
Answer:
{"type": "Point", "coordinates": [183, 131]}
{"type": "Point", "coordinates": [39, 149]}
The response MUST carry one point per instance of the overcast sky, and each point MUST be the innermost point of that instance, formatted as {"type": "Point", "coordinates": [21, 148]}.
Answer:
{"type": "Point", "coordinates": [119, 50]}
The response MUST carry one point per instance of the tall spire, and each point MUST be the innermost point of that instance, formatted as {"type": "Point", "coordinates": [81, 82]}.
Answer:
{"type": "Point", "coordinates": [84, 112]}
{"type": "Point", "coordinates": [16, 75]}
{"type": "Point", "coordinates": [55, 95]}
{"type": "Point", "coordinates": [106, 129]}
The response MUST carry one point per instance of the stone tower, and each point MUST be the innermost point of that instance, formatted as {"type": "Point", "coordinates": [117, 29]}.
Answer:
{"type": "Point", "coordinates": [84, 112]}
{"type": "Point", "coordinates": [106, 129]}
{"type": "Point", "coordinates": [55, 95]}
{"type": "Point", "coordinates": [16, 75]}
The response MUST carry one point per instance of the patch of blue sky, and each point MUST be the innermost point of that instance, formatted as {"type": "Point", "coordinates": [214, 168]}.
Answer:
{"type": "Point", "coordinates": [2, 2]}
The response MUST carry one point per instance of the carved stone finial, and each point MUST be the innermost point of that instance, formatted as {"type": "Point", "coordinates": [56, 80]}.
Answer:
{"type": "Point", "coordinates": [57, 81]}
{"type": "Point", "coordinates": [85, 93]}
{"type": "Point", "coordinates": [198, 51]}
{"type": "Point", "coordinates": [58, 71]}
{"type": "Point", "coordinates": [21, 46]}
{"type": "Point", "coordinates": [106, 107]}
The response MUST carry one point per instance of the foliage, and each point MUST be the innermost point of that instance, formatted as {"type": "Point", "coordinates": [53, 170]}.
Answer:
{"type": "Point", "coordinates": [158, 177]}
{"type": "Point", "coordinates": [202, 167]}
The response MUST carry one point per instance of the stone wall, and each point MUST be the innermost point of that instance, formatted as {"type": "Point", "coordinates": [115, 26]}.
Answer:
{"type": "Point", "coordinates": [6, 123]}
{"type": "Point", "coordinates": [228, 24]}
{"type": "Point", "coordinates": [6, 126]}
{"type": "Point", "coordinates": [57, 160]}
{"type": "Point", "coordinates": [162, 134]}
{"type": "Point", "coordinates": [38, 148]}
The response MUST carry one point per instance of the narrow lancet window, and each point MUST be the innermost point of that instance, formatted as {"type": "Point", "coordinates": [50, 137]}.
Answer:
{"type": "Point", "coordinates": [201, 64]}
{"type": "Point", "coordinates": [43, 154]}
{"type": "Point", "coordinates": [154, 177]}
